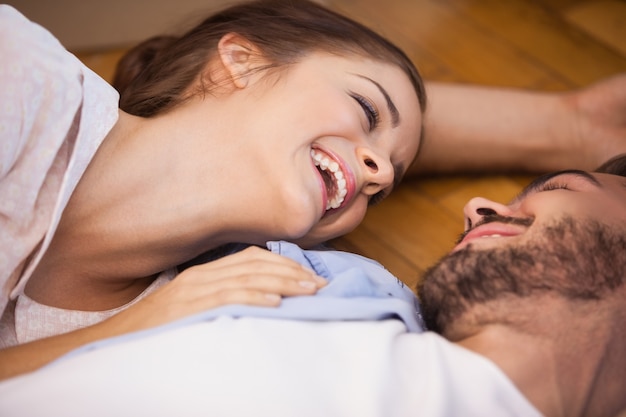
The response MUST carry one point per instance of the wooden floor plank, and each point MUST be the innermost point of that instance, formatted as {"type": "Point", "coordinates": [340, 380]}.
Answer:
{"type": "Point", "coordinates": [363, 241]}
{"type": "Point", "coordinates": [467, 49]}
{"type": "Point", "coordinates": [546, 38]}
{"type": "Point", "coordinates": [603, 20]}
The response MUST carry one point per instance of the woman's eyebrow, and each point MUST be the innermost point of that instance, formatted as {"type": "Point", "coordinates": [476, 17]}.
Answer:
{"type": "Point", "coordinates": [395, 115]}
{"type": "Point", "coordinates": [539, 182]}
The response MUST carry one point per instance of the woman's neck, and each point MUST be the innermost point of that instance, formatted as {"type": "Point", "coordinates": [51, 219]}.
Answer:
{"type": "Point", "coordinates": [157, 193]}
{"type": "Point", "coordinates": [153, 192]}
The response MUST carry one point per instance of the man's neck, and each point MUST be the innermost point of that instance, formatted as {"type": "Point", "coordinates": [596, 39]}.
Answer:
{"type": "Point", "coordinates": [527, 361]}
{"type": "Point", "coordinates": [564, 366]}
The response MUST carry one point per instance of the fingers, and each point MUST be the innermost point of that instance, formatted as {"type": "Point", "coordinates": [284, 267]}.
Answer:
{"type": "Point", "coordinates": [236, 296]}
{"type": "Point", "coordinates": [268, 283]}
{"type": "Point", "coordinates": [250, 274]}
{"type": "Point", "coordinates": [251, 277]}
{"type": "Point", "coordinates": [254, 277]}
{"type": "Point", "coordinates": [256, 266]}
{"type": "Point", "coordinates": [254, 254]}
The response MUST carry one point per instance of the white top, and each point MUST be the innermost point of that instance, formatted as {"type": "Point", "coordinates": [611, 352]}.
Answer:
{"type": "Point", "coordinates": [270, 367]}
{"type": "Point", "coordinates": [54, 113]}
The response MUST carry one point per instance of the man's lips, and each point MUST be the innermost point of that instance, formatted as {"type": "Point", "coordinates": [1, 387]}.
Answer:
{"type": "Point", "coordinates": [490, 231]}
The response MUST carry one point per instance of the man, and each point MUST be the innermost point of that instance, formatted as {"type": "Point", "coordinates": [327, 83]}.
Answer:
{"type": "Point", "coordinates": [538, 287]}
{"type": "Point", "coordinates": [531, 305]}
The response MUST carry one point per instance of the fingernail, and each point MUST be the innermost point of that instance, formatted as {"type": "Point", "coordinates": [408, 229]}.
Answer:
{"type": "Point", "coordinates": [320, 281]}
{"type": "Point", "coordinates": [273, 297]}
{"type": "Point", "coordinates": [307, 284]}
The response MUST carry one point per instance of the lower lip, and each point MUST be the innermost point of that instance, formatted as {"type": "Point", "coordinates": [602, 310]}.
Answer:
{"type": "Point", "coordinates": [470, 239]}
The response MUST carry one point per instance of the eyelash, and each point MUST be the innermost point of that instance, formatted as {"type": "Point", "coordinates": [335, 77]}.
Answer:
{"type": "Point", "coordinates": [373, 117]}
{"type": "Point", "coordinates": [550, 186]}
{"type": "Point", "coordinates": [376, 198]}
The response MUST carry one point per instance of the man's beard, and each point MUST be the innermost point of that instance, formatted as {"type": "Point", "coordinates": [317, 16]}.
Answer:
{"type": "Point", "coordinates": [574, 259]}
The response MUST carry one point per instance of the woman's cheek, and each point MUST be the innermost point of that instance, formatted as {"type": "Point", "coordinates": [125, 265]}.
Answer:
{"type": "Point", "coordinates": [352, 216]}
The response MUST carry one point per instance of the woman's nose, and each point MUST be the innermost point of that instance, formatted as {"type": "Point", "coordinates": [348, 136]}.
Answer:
{"type": "Point", "coordinates": [479, 207]}
{"type": "Point", "coordinates": [378, 170]}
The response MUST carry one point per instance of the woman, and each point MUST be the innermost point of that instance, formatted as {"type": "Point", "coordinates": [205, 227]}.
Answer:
{"type": "Point", "coordinates": [270, 120]}
{"type": "Point", "coordinates": [143, 204]}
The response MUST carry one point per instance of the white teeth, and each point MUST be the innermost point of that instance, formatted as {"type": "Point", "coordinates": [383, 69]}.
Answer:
{"type": "Point", "coordinates": [494, 235]}
{"type": "Point", "coordinates": [326, 164]}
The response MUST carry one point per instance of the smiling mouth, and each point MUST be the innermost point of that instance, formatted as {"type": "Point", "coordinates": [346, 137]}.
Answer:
{"type": "Point", "coordinates": [334, 178]}
{"type": "Point", "coordinates": [507, 228]}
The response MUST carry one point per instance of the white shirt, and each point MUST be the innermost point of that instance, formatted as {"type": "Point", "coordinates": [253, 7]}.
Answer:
{"type": "Point", "coordinates": [260, 367]}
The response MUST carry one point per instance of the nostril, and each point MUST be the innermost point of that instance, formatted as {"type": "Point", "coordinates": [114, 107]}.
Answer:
{"type": "Point", "coordinates": [370, 163]}
{"type": "Point", "coordinates": [485, 211]}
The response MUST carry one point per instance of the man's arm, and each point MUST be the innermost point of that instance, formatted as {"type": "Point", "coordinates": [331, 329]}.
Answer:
{"type": "Point", "coordinates": [473, 128]}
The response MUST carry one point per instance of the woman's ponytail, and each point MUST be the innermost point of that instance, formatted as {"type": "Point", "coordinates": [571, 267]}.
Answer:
{"type": "Point", "coordinates": [138, 58]}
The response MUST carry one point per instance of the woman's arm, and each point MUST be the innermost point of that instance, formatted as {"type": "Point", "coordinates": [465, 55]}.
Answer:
{"type": "Point", "coordinates": [253, 276]}
{"type": "Point", "coordinates": [472, 128]}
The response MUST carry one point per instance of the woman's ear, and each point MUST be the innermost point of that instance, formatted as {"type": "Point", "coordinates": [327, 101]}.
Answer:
{"type": "Point", "coordinates": [239, 57]}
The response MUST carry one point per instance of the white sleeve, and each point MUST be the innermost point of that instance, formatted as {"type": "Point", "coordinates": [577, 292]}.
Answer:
{"type": "Point", "coordinates": [38, 88]}
{"type": "Point", "coordinates": [54, 113]}
{"type": "Point", "coordinates": [40, 97]}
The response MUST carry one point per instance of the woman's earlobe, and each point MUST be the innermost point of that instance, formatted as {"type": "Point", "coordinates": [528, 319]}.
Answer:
{"type": "Point", "coordinates": [238, 56]}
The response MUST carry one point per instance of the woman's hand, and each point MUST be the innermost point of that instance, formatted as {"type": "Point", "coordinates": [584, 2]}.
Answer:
{"type": "Point", "coordinates": [253, 276]}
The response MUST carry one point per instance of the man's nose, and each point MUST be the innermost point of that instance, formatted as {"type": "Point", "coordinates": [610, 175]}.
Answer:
{"type": "Point", "coordinates": [377, 169]}
{"type": "Point", "coordinates": [479, 207]}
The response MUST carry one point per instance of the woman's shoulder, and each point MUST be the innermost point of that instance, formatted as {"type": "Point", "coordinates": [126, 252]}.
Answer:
{"type": "Point", "coordinates": [42, 86]}
{"type": "Point", "coordinates": [19, 35]}
{"type": "Point", "coordinates": [37, 78]}
{"type": "Point", "coordinates": [31, 54]}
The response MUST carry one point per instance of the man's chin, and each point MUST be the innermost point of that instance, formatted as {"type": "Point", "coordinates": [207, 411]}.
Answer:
{"type": "Point", "coordinates": [575, 259]}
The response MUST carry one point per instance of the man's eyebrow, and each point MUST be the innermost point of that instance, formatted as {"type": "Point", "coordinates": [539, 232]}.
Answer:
{"type": "Point", "coordinates": [539, 182]}
{"type": "Point", "coordinates": [395, 115]}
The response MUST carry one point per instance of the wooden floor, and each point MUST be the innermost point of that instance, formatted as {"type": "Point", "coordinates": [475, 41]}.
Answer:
{"type": "Point", "coordinates": [537, 44]}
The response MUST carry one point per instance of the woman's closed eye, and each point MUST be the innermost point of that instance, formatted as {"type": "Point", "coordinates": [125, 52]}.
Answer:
{"type": "Point", "coordinates": [554, 185]}
{"type": "Point", "coordinates": [371, 113]}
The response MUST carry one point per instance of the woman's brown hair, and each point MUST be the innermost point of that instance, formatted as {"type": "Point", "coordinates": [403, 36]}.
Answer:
{"type": "Point", "coordinates": [153, 76]}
